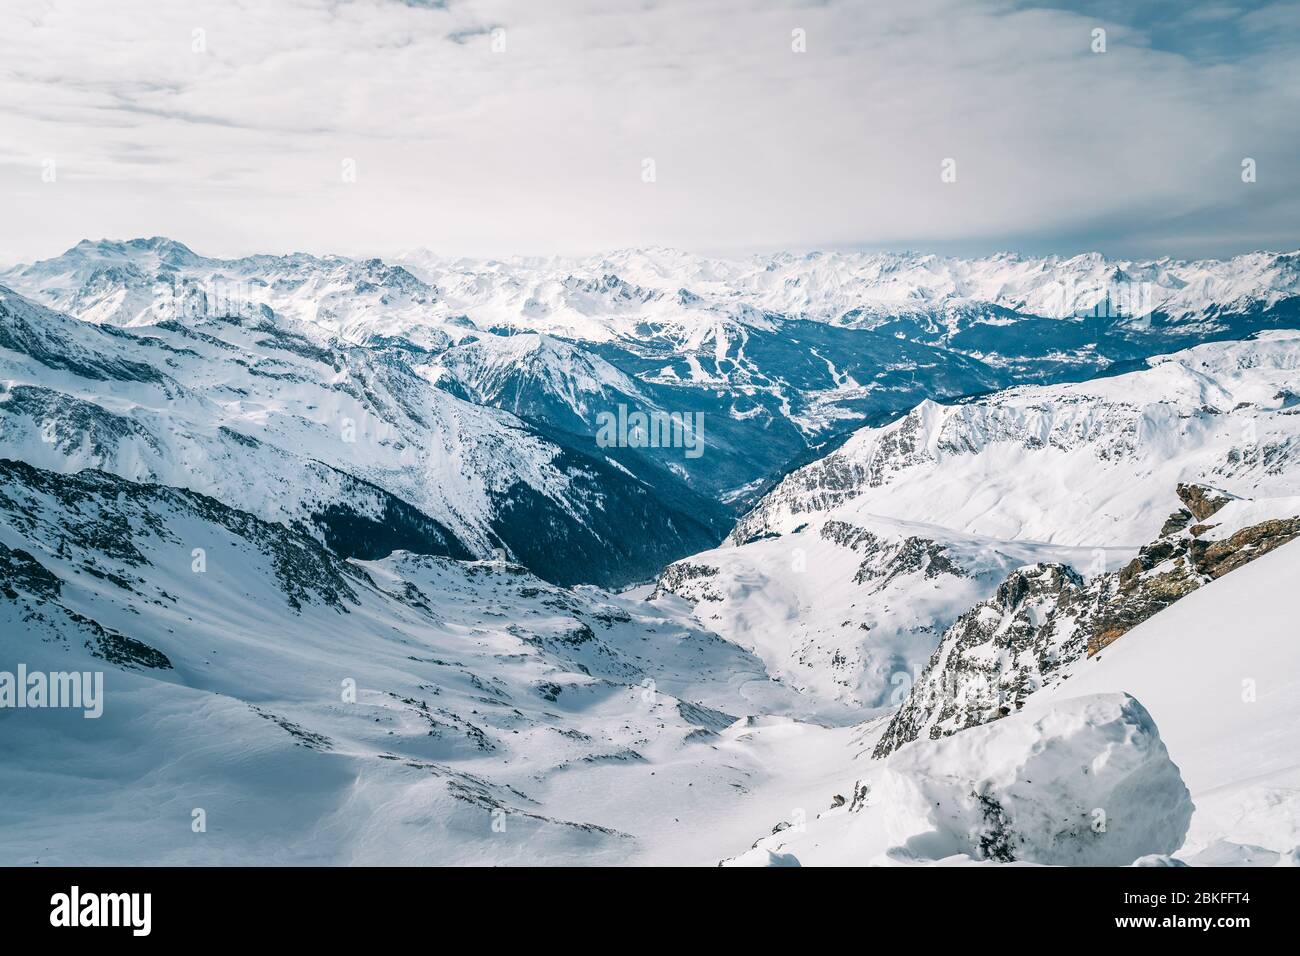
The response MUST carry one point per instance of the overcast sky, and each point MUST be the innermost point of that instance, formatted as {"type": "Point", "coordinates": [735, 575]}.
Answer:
{"type": "Point", "coordinates": [235, 139]}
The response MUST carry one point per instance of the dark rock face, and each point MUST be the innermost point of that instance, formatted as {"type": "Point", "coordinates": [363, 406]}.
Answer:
{"type": "Point", "coordinates": [1171, 567]}
{"type": "Point", "coordinates": [37, 593]}
{"type": "Point", "coordinates": [1176, 522]}
{"type": "Point", "coordinates": [19, 571]}
{"type": "Point", "coordinates": [1201, 500]}
{"type": "Point", "coordinates": [994, 656]}
{"type": "Point", "coordinates": [1219, 557]}
{"type": "Point", "coordinates": [886, 560]}
{"type": "Point", "coordinates": [69, 423]}
{"type": "Point", "coordinates": [1045, 616]}
{"type": "Point", "coordinates": [689, 580]}
{"type": "Point", "coordinates": [127, 652]}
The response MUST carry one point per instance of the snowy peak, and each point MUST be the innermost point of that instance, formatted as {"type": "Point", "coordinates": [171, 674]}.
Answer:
{"type": "Point", "coordinates": [870, 287]}
{"type": "Point", "coordinates": [145, 281]}
{"type": "Point", "coordinates": [605, 296]}
{"type": "Point", "coordinates": [503, 371]}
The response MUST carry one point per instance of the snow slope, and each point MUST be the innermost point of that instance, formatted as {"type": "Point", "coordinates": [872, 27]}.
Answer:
{"type": "Point", "coordinates": [1046, 616]}
{"type": "Point", "coordinates": [1185, 729]}
{"type": "Point", "coordinates": [316, 710]}
{"type": "Point", "coordinates": [1220, 673]}
{"type": "Point", "coordinates": [849, 612]}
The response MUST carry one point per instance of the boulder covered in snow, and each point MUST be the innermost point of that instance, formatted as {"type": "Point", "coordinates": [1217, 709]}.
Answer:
{"type": "Point", "coordinates": [1086, 781]}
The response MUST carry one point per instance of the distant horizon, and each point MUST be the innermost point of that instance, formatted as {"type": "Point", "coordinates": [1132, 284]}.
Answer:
{"type": "Point", "coordinates": [737, 256]}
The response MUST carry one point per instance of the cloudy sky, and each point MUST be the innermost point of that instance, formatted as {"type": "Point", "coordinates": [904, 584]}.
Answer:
{"type": "Point", "coordinates": [495, 127]}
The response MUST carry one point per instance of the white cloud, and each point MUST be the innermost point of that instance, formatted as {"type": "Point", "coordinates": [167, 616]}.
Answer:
{"type": "Point", "coordinates": [539, 148]}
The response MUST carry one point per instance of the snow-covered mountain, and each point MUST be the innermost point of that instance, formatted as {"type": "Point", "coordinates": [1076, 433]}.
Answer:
{"type": "Point", "coordinates": [849, 611]}
{"type": "Point", "coordinates": [1031, 319]}
{"type": "Point", "coordinates": [1079, 464]}
{"type": "Point", "coordinates": [1046, 617]}
{"type": "Point", "coordinates": [347, 442]}
{"type": "Point", "coordinates": [845, 575]}
{"type": "Point", "coordinates": [612, 296]}
{"type": "Point", "coordinates": [144, 281]}
{"type": "Point", "coordinates": [266, 700]}
{"type": "Point", "coordinates": [861, 288]}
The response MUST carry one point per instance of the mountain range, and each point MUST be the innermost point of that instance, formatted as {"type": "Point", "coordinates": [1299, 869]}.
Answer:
{"type": "Point", "coordinates": [366, 587]}
{"type": "Point", "coordinates": [784, 355]}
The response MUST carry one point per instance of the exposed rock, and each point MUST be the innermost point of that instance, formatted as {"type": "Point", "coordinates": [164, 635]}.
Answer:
{"type": "Point", "coordinates": [1176, 522]}
{"type": "Point", "coordinates": [687, 579]}
{"type": "Point", "coordinates": [1202, 500]}
{"type": "Point", "coordinates": [994, 656]}
{"type": "Point", "coordinates": [1220, 557]}
{"type": "Point", "coordinates": [19, 571]}
{"type": "Point", "coordinates": [888, 559]}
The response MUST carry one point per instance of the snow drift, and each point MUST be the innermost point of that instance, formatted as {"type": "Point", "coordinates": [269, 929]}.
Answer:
{"type": "Point", "coordinates": [1085, 781]}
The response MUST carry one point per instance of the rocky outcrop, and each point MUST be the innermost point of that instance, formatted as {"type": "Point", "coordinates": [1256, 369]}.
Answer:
{"type": "Point", "coordinates": [688, 580]}
{"type": "Point", "coordinates": [111, 520]}
{"type": "Point", "coordinates": [887, 559]}
{"type": "Point", "coordinates": [1046, 616]}
{"type": "Point", "coordinates": [994, 656]}
{"type": "Point", "coordinates": [1203, 501]}
{"type": "Point", "coordinates": [1217, 558]}
{"type": "Point", "coordinates": [1173, 566]}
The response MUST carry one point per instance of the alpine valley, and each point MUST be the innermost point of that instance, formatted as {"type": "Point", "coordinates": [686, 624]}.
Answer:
{"type": "Point", "coordinates": [980, 561]}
